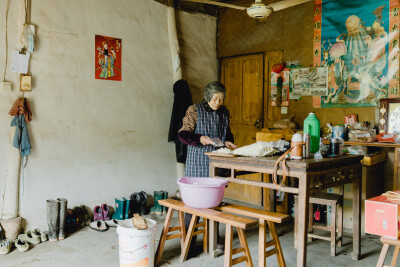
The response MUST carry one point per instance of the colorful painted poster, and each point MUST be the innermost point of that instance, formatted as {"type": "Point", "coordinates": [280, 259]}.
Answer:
{"type": "Point", "coordinates": [108, 58]}
{"type": "Point", "coordinates": [359, 43]}
{"type": "Point", "coordinates": [280, 88]}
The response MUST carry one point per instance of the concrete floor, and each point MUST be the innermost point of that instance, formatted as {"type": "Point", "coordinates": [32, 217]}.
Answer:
{"type": "Point", "coordinates": [87, 247]}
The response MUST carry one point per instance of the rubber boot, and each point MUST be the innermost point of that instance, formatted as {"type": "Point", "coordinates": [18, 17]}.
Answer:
{"type": "Point", "coordinates": [165, 196]}
{"type": "Point", "coordinates": [62, 217]}
{"type": "Point", "coordinates": [143, 203]}
{"type": "Point", "coordinates": [157, 208]}
{"type": "Point", "coordinates": [135, 202]}
{"type": "Point", "coordinates": [53, 213]}
{"type": "Point", "coordinates": [127, 209]}
{"type": "Point", "coordinates": [119, 209]}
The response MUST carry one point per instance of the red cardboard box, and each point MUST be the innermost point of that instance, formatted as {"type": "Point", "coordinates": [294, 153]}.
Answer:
{"type": "Point", "coordinates": [382, 217]}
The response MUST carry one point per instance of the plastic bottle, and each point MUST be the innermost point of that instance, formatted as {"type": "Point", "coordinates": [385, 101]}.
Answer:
{"type": "Point", "coordinates": [312, 126]}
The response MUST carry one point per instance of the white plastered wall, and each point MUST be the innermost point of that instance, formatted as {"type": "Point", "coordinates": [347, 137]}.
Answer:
{"type": "Point", "coordinates": [197, 39]}
{"type": "Point", "coordinates": [94, 140]}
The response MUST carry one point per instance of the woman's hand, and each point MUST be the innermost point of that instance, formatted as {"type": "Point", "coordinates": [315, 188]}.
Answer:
{"type": "Point", "coordinates": [205, 140]}
{"type": "Point", "coordinates": [230, 145]}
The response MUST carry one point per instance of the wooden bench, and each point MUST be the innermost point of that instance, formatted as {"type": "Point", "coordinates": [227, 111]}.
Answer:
{"type": "Point", "coordinates": [386, 242]}
{"type": "Point", "coordinates": [241, 223]}
{"type": "Point", "coordinates": [263, 216]}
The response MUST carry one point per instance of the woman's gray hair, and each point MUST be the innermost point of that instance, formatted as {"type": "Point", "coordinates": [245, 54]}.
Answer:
{"type": "Point", "coordinates": [212, 88]}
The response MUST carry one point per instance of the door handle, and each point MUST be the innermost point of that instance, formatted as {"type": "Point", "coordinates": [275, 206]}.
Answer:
{"type": "Point", "coordinates": [258, 125]}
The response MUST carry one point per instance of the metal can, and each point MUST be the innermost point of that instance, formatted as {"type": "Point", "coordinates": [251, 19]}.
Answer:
{"type": "Point", "coordinates": [306, 146]}
{"type": "Point", "coordinates": [335, 146]}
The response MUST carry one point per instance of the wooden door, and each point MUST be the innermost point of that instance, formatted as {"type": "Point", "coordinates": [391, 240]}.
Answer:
{"type": "Point", "coordinates": [243, 77]}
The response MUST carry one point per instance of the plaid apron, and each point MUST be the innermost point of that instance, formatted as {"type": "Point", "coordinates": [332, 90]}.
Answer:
{"type": "Point", "coordinates": [212, 124]}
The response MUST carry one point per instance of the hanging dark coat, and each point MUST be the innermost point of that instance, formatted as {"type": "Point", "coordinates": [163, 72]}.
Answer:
{"type": "Point", "coordinates": [182, 100]}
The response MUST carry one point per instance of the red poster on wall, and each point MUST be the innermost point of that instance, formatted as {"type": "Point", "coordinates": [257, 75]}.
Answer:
{"type": "Point", "coordinates": [108, 58]}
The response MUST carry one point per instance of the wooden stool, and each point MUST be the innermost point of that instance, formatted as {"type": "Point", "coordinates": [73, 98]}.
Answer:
{"type": "Point", "coordinates": [386, 242]}
{"type": "Point", "coordinates": [230, 220]}
{"type": "Point", "coordinates": [328, 199]}
{"type": "Point", "coordinates": [263, 216]}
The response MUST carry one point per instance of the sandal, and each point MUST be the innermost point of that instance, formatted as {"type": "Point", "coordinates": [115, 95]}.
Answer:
{"type": "Point", "coordinates": [100, 226]}
{"type": "Point", "coordinates": [139, 222]}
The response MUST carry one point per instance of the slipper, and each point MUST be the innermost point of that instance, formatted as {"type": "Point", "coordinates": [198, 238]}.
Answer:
{"type": "Point", "coordinates": [21, 245]}
{"type": "Point", "coordinates": [100, 226]}
{"type": "Point", "coordinates": [139, 222]}
{"type": "Point", "coordinates": [112, 223]}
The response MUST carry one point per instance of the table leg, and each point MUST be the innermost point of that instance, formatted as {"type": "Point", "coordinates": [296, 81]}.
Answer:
{"type": "Point", "coordinates": [212, 225]}
{"type": "Point", "coordinates": [302, 222]}
{"type": "Point", "coordinates": [271, 194]}
{"type": "Point", "coordinates": [357, 187]}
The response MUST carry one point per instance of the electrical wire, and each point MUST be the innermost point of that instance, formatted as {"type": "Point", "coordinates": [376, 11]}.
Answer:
{"type": "Point", "coordinates": [5, 65]}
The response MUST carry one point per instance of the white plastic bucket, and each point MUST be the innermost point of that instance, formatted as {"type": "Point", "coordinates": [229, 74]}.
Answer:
{"type": "Point", "coordinates": [136, 247]}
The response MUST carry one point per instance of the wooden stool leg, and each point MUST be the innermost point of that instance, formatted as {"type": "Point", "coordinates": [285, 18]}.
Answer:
{"type": "Point", "coordinates": [382, 256]}
{"type": "Point", "coordinates": [274, 236]}
{"type": "Point", "coordinates": [243, 242]}
{"type": "Point", "coordinates": [340, 217]}
{"type": "Point", "coordinates": [163, 237]}
{"type": "Point", "coordinates": [228, 246]}
{"type": "Point", "coordinates": [205, 236]}
{"type": "Point", "coordinates": [296, 212]}
{"type": "Point", "coordinates": [310, 220]}
{"type": "Point", "coordinates": [188, 239]}
{"type": "Point", "coordinates": [181, 216]}
{"type": "Point", "coordinates": [262, 232]}
{"type": "Point", "coordinates": [395, 255]}
{"type": "Point", "coordinates": [333, 230]}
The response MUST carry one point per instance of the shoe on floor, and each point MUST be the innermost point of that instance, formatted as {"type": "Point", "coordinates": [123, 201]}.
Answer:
{"type": "Point", "coordinates": [112, 223]}
{"type": "Point", "coordinates": [100, 226]}
{"type": "Point", "coordinates": [29, 237]}
{"type": "Point", "coordinates": [106, 212]}
{"type": "Point", "coordinates": [42, 236]}
{"type": "Point", "coordinates": [5, 246]}
{"type": "Point", "coordinates": [98, 213]}
{"type": "Point", "coordinates": [21, 245]}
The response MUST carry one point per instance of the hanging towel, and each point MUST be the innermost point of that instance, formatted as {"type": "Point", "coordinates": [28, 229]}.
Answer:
{"type": "Point", "coordinates": [21, 136]}
{"type": "Point", "coordinates": [21, 107]}
{"type": "Point", "coordinates": [182, 100]}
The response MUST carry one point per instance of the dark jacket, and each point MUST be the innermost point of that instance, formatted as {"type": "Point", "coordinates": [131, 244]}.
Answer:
{"type": "Point", "coordinates": [182, 100]}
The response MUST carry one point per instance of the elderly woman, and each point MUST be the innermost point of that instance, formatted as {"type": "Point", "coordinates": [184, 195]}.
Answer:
{"type": "Point", "coordinates": [202, 122]}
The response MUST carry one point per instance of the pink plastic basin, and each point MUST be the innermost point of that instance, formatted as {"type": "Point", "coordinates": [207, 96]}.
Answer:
{"type": "Point", "coordinates": [202, 192]}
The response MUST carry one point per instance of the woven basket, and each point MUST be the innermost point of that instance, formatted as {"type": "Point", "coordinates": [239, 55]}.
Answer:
{"type": "Point", "coordinates": [11, 227]}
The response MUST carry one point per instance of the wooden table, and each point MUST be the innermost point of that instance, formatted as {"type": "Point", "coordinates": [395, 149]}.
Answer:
{"type": "Point", "coordinates": [312, 176]}
{"type": "Point", "coordinates": [396, 160]}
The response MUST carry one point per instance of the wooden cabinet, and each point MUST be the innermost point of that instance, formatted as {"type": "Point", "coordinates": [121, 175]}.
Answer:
{"type": "Point", "coordinates": [243, 79]}
{"type": "Point", "coordinates": [247, 81]}
{"type": "Point", "coordinates": [396, 171]}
